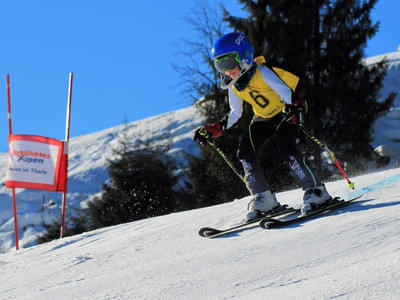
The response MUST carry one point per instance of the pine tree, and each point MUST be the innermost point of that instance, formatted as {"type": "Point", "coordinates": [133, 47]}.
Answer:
{"type": "Point", "coordinates": [141, 187]}
{"type": "Point", "coordinates": [322, 41]}
{"type": "Point", "coordinates": [142, 184]}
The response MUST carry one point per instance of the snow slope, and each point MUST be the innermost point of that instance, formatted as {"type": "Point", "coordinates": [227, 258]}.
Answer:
{"type": "Point", "coordinates": [87, 171]}
{"type": "Point", "coordinates": [89, 154]}
{"type": "Point", "coordinates": [353, 253]}
{"type": "Point", "coordinates": [387, 137]}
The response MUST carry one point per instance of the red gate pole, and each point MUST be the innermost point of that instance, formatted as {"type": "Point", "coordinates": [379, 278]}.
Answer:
{"type": "Point", "coordinates": [14, 198]}
{"type": "Point", "coordinates": [9, 104]}
{"type": "Point", "coordinates": [67, 127]}
{"type": "Point", "coordinates": [15, 219]}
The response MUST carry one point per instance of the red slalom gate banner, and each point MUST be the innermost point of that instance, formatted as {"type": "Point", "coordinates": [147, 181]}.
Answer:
{"type": "Point", "coordinates": [36, 162]}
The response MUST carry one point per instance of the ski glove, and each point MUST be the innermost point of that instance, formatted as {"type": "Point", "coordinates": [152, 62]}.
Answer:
{"type": "Point", "coordinates": [204, 133]}
{"type": "Point", "coordinates": [296, 112]}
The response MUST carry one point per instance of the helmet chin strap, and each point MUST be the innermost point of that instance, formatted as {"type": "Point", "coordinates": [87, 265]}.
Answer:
{"type": "Point", "coordinates": [226, 83]}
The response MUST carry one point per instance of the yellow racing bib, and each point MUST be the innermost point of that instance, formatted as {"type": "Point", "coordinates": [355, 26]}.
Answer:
{"type": "Point", "coordinates": [268, 90]}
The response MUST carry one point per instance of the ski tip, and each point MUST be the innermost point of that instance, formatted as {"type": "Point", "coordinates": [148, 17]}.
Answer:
{"type": "Point", "coordinates": [269, 223]}
{"type": "Point", "coordinates": [208, 232]}
{"type": "Point", "coordinates": [266, 224]}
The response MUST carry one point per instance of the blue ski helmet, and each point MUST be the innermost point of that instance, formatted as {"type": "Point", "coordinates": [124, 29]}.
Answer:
{"type": "Point", "coordinates": [233, 42]}
{"type": "Point", "coordinates": [237, 43]}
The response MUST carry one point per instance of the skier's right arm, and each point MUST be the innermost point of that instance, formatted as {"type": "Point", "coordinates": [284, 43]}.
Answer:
{"type": "Point", "coordinates": [236, 105]}
{"type": "Point", "coordinates": [206, 132]}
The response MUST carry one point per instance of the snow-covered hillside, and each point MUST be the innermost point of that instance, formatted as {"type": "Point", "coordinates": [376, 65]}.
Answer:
{"type": "Point", "coordinates": [353, 253]}
{"type": "Point", "coordinates": [89, 153]}
{"type": "Point", "coordinates": [87, 171]}
{"type": "Point", "coordinates": [387, 133]}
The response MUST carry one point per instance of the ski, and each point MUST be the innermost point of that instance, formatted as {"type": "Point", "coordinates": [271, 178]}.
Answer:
{"type": "Point", "coordinates": [213, 232]}
{"type": "Point", "coordinates": [268, 223]}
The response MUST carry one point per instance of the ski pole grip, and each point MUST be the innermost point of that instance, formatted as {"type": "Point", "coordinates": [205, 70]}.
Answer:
{"type": "Point", "coordinates": [203, 131]}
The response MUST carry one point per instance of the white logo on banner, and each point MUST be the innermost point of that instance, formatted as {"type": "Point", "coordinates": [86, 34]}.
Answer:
{"type": "Point", "coordinates": [30, 161]}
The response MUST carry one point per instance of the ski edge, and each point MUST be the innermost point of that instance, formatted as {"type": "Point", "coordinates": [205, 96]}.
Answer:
{"type": "Point", "coordinates": [210, 232]}
{"type": "Point", "coordinates": [270, 223]}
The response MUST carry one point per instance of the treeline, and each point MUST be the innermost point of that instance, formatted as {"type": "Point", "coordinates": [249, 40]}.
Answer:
{"type": "Point", "coordinates": [321, 41]}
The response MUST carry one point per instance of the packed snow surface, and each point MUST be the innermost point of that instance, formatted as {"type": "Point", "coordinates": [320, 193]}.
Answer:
{"type": "Point", "coordinates": [352, 253]}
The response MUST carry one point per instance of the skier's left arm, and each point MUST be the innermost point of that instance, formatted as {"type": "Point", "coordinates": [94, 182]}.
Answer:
{"type": "Point", "coordinates": [294, 109]}
{"type": "Point", "coordinates": [277, 84]}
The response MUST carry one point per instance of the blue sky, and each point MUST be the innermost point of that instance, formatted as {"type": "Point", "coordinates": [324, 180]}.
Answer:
{"type": "Point", "coordinates": [120, 52]}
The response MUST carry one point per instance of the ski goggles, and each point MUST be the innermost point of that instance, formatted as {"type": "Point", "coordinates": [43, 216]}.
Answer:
{"type": "Point", "coordinates": [227, 62]}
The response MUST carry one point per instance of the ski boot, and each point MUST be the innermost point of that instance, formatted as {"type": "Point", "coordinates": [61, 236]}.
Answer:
{"type": "Point", "coordinates": [260, 204]}
{"type": "Point", "coordinates": [314, 197]}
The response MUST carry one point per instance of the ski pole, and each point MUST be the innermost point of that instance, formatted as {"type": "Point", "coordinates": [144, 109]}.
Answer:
{"type": "Point", "coordinates": [332, 155]}
{"type": "Point", "coordinates": [203, 132]}
{"type": "Point", "coordinates": [226, 159]}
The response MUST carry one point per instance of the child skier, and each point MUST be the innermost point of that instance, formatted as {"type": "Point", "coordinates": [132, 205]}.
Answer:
{"type": "Point", "coordinates": [269, 92]}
